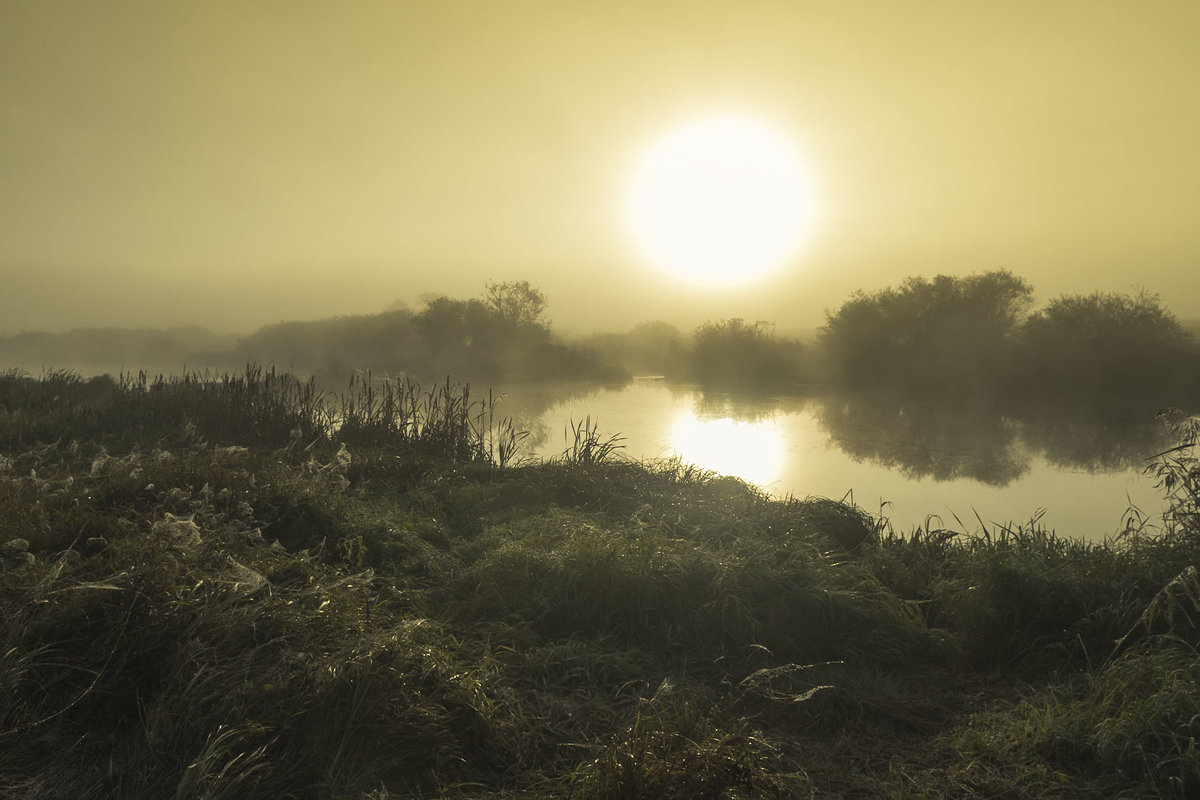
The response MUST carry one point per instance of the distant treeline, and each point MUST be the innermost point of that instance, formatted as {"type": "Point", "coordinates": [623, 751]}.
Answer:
{"type": "Point", "coordinates": [502, 336]}
{"type": "Point", "coordinates": [977, 337]}
{"type": "Point", "coordinates": [974, 338]}
{"type": "Point", "coordinates": [115, 347]}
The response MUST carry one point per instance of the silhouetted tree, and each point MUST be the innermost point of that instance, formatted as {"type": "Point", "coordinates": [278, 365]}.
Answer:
{"type": "Point", "coordinates": [1111, 348]}
{"type": "Point", "coordinates": [442, 325]}
{"type": "Point", "coordinates": [517, 302]}
{"type": "Point", "coordinates": [502, 336]}
{"type": "Point", "coordinates": [949, 334]}
{"type": "Point", "coordinates": [739, 353]}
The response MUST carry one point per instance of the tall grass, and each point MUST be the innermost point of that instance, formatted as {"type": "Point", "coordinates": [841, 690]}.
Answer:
{"type": "Point", "coordinates": [444, 421]}
{"type": "Point", "coordinates": [258, 406]}
{"type": "Point", "coordinates": [586, 445]}
{"type": "Point", "coordinates": [1177, 472]}
{"type": "Point", "coordinates": [245, 587]}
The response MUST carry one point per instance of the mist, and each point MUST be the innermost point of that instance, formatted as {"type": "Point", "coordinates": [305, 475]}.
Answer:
{"type": "Point", "coordinates": [234, 167]}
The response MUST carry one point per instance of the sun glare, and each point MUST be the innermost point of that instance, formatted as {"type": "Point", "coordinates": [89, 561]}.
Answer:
{"type": "Point", "coordinates": [720, 201]}
{"type": "Point", "coordinates": [752, 451]}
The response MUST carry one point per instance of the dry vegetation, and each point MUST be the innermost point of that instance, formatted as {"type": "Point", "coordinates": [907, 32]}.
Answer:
{"type": "Point", "coordinates": [243, 587]}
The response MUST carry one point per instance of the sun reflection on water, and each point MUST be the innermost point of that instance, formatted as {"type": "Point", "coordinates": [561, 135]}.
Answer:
{"type": "Point", "coordinates": [750, 450]}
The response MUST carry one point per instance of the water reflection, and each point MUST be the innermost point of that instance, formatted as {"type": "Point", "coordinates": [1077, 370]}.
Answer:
{"type": "Point", "coordinates": [750, 435]}
{"type": "Point", "coordinates": [750, 449]}
{"type": "Point", "coordinates": [947, 442]}
{"type": "Point", "coordinates": [1096, 445]}
{"type": "Point", "coordinates": [740, 407]}
{"type": "Point", "coordinates": [921, 441]}
{"type": "Point", "coordinates": [526, 407]}
{"type": "Point", "coordinates": [920, 458]}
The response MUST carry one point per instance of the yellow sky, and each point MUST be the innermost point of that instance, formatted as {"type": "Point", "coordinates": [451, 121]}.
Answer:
{"type": "Point", "coordinates": [234, 163]}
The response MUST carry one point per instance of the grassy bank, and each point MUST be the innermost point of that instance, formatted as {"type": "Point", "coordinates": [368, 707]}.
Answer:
{"type": "Point", "coordinates": [244, 587]}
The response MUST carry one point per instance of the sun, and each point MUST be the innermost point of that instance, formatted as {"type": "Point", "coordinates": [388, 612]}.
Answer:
{"type": "Point", "coordinates": [719, 201]}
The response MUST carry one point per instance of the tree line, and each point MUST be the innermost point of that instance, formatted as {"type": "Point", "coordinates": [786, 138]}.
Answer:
{"type": "Point", "coordinates": [977, 338]}
{"type": "Point", "coordinates": [503, 335]}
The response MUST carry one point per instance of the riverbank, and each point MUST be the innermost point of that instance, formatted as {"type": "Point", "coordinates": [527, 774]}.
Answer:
{"type": "Point", "coordinates": [211, 590]}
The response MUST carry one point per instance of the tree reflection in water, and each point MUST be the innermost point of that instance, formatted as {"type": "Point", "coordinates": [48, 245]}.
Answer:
{"type": "Point", "coordinates": [946, 441]}
{"type": "Point", "coordinates": [742, 407]}
{"type": "Point", "coordinates": [926, 440]}
{"type": "Point", "coordinates": [754, 434]}
{"type": "Point", "coordinates": [1097, 440]}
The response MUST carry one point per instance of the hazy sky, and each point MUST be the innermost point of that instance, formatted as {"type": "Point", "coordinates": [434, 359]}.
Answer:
{"type": "Point", "coordinates": [231, 164]}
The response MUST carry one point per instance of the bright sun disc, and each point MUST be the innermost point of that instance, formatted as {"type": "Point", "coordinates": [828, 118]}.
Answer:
{"type": "Point", "coordinates": [719, 201]}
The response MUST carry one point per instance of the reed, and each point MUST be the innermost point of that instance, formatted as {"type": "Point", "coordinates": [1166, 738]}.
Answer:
{"type": "Point", "coordinates": [258, 406]}
{"type": "Point", "coordinates": [586, 445]}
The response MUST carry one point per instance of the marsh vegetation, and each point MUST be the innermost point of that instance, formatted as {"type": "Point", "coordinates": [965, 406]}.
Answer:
{"type": "Point", "coordinates": [248, 587]}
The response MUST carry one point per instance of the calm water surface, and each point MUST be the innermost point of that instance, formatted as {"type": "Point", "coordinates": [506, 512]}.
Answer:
{"type": "Point", "coordinates": [911, 463]}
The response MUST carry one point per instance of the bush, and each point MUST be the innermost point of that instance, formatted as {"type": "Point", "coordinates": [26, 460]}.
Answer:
{"type": "Point", "coordinates": [739, 354]}
{"type": "Point", "coordinates": [1109, 349]}
{"type": "Point", "coordinates": [927, 336]}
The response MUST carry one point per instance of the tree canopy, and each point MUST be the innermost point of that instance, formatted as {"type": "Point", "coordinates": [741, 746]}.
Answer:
{"type": "Point", "coordinates": [1108, 345]}
{"type": "Point", "coordinates": [735, 352]}
{"type": "Point", "coordinates": [517, 302]}
{"type": "Point", "coordinates": [926, 334]}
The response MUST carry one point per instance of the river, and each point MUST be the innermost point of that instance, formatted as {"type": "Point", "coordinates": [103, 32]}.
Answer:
{"type": "Point", "coordinates": [916, 465]}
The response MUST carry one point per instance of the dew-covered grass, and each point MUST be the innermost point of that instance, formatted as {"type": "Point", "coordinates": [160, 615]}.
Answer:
{"type": "Point", "coordinates": [244, 586]}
